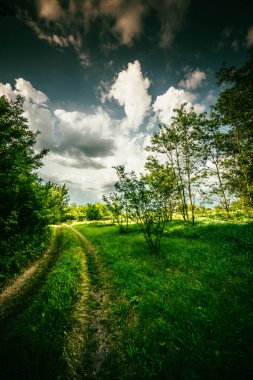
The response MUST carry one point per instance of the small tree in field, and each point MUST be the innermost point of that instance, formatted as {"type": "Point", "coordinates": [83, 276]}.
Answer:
{"type": "Point", "coordinates": [147, 206]}
{"type": "Point", "coordinates": [116, 207]}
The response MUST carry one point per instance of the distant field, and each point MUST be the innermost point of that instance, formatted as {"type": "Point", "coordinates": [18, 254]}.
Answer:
{"type": "Point", "coordinates": [100, 306]}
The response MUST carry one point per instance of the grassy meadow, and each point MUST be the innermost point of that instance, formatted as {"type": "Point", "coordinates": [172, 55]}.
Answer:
{"type": "Point", "coordinates": [108, 309]}
{"type": "Point", "coordinates": [186, 314]}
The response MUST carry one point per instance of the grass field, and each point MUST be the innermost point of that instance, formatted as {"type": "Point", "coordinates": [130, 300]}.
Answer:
{"type": "Point", "coordinates": [187, 314]}
{"type": "Point", "coordinates": [105, 308]}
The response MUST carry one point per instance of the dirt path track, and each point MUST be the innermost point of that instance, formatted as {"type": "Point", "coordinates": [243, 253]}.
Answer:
{"type": "Point", "coordinates": [16, 297]}
{"type": "Point", "coordinates": [97, 334]}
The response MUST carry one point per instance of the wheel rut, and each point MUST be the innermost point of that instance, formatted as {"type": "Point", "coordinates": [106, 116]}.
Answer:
{"type": "Point", "coordinates": [96, 332]}
{"type": "Point", "coordinates": [15, 299]}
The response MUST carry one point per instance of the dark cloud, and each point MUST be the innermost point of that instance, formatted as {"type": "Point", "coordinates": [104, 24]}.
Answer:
{"type": "Point", "coordinates": [87, 145]}
{"type": "Point", "coordinates": [108, 187]}
{"type": "Point", "coordinates": [82, 163]}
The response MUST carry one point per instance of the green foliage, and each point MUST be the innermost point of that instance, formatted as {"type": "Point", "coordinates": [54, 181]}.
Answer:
{"type": "Point", "coordinates": [235, 107]}
{"type": "Point", "coordinates": [180, 143]}
{"type": "Point", "coordinates": [92, 212]}
{"type": "Point", "coordinates": [115, 205]}
{"type": "Point", "coordinates": [142, 201]}
{"type": "Point", "coordinates": [96, 211]}
{"type": "Point", "coordinates": [27, 206]}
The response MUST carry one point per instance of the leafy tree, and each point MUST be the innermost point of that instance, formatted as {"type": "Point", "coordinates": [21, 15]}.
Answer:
{"type": "Point", "coordinates": [57, 202]}
{"type": "Point", "coordinates": [235, 107]}
{"type": "Point", "coordinates": [17, 164]}
{"type": "Point", "coordinates": [27, 205]}
{"type": "Point", "coordinates": [146, 206]}
{"type": "Point", "coordinates": [180, 142]}
{"type": "Point", "coordinates": [115, 205]}
{"type": "Point", "coordinates": [163, 179]}
{"type": "Point", "coordinates": [92, 212]}
{"type": "Point", "coordinates": [214, 143]}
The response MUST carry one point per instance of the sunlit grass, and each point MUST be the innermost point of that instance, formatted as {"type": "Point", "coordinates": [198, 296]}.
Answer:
{"type": "Point", "coordinates": [187, 314]}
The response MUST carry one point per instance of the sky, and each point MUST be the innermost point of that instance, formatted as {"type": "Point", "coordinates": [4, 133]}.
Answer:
{"type": "Point", "coordinates": [98, 76]}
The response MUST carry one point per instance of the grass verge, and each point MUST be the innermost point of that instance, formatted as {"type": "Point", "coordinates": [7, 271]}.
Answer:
{"type": "Point", "coordinates": [34, 349]}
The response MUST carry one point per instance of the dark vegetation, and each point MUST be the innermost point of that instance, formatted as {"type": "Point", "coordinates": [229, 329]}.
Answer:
{"type": "Point", "coordinates": [27, 205]}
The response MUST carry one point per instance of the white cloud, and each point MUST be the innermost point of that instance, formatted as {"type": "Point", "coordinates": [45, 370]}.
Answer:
{"type": "Point", "coordinates": [250, 37]}
{"type": "Point", "coordinates": [130, 90]}
{"type": "Point", "coordinates": [83, 146]}
{"type": "Point", "coordinates": [6, 90]}
{"type": "Point", "coordinates": [193, 80]}
{"type": "Point", "coordinates": [25, 89]}
{"type": "Point", "coordinates": [171, 99]}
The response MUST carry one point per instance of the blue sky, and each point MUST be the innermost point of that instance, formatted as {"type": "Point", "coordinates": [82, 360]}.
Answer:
{"type": "Point", "coordinates": [98, 76]}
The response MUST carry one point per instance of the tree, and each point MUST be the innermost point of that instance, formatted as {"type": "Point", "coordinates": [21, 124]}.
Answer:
{"type": "Point", "coordinates": [235, 107]}
{"type": "Point", "coordinates": [214, 143]}
{"type": "Point", "coordinates": [163, 179]}
{"type": "Point", "coordinates": [146, 206]}
{"type": "Point", "coordinates": [18, 161]}
{"type": "Point", "coordinates": [180, 142]}
{"type": "Point", "coordinates": [27, 205]}
{"type": "Point", "coordinates": [57, 202]}
{"type": "Point", "coordinates": [92, 212]}
{"type": "Point", "coordinates": [115, 205]}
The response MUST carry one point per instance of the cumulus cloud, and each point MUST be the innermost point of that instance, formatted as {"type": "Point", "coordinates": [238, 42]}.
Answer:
{"type": "Point", "coordinates": [193, 80]}
{"type": "Point", "coordinates": [165, 104]}
{"type": "Point", "coordinates": [25, 89]}
{"type": "Point", "coordinates": [6, 90]}
{"type": "Point", "coordinates": [250, 37]}
{"type": "Point", "coordinates": [130, 89]}
{"type": "Point", "coordinates": [83, 135]}
{"type": "Point", "coordinates": [83, 146]}
{"type": "Point", "coordinates": [76, 135]}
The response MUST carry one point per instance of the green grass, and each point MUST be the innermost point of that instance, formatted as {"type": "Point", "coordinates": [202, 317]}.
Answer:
{"type": "Point", "coordinates": [18, 252]}
{"type": "Point", "coordinates": [186, 314]}
{"type": "Point", "coordinates": [33, 349]}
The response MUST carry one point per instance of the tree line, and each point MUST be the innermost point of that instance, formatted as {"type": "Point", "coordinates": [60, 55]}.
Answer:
{"type": "Point", "coordinates": [27, 204]}
{"type": "Point", "coordinates": [197, 157]}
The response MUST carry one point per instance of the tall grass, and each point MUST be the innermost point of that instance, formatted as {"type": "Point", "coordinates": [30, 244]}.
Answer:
{"type": "Point", "coordinates": [187, 314]}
